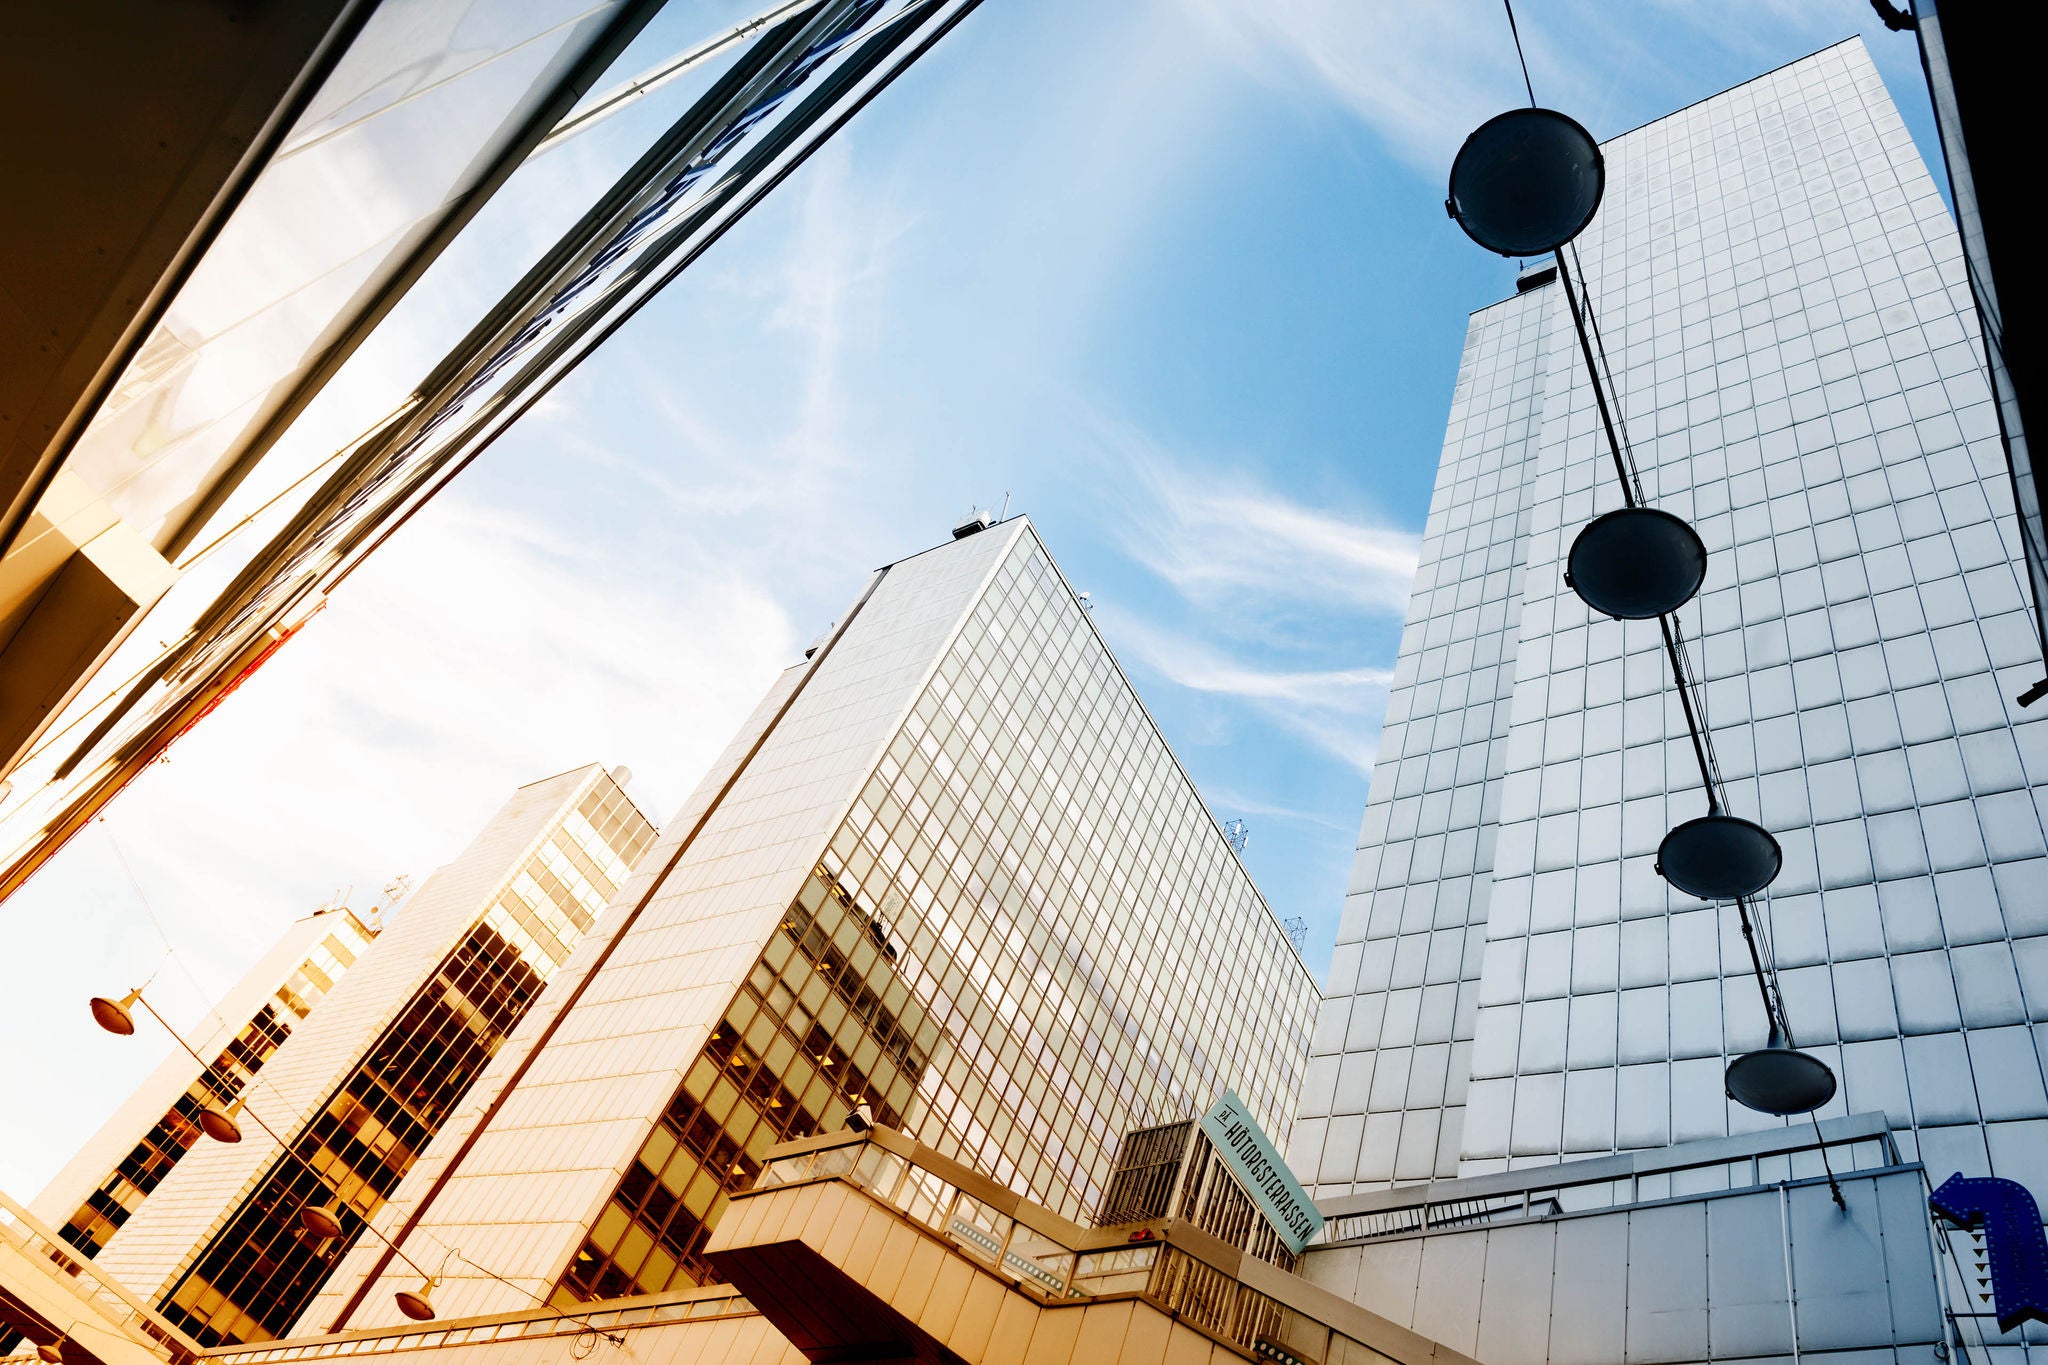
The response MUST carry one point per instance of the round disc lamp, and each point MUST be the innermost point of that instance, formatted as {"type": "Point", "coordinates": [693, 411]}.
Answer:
{"type": "Point", "coordinates": [1635, 563]}
{"type": "Point", "coordinates": [322, 1220]}
{"type": "Point", "coordinates": [1719, 857]}
{"type": "Point", "coordinates": [1526, 182]}
{"type": "Point", "coordinates": [1781, 1080]}
{"type": "Point", "coordinates": [415, 1304]}
{"type": "Point", "coordinates": [113, 1015]}
{"type": "Point", "coordinates": [219, 1125]}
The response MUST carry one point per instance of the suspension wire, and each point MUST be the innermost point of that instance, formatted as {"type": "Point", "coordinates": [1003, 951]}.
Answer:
{"type": "Point", "coordinates": [1692, 694]}
{"type": "Point", "coordinates": [447, 1252]}
{"type": "Point", "coordinates": [1510, 6]}
{"type": "Point", "coordinates": [1628, 450]}
{"type": "Point", "coordinates": [1629, 494]}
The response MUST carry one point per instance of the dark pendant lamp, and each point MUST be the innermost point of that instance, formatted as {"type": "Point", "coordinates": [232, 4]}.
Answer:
{"type": "Point", "coordinates": [220, 1125]}
{"type": "Point", "coordinates": [1719, 857]}
{"type": "Point", "coordinates": [322, 1220]}
{"type": "Point", "coordinates": [1636, 563]}
{"type": "Point", "coordinates": [415, 1303]}
{"type": "Point", "coordinates": [1526, 182]}
{"type": "Point", "coordinates": [1780, 1079]}
{"type": "Point", "coordinates": [113, 1015]}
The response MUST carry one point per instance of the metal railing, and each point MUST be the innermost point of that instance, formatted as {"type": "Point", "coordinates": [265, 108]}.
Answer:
{"type": "Point", "coordinates": [115, 1305]}
{"type": "Point", "coordinates": [1860, 1142]}
{"type": "Point", "coordinates": [716, 1301]}
{"type": "Point", "coordinates": [1176, 1267]}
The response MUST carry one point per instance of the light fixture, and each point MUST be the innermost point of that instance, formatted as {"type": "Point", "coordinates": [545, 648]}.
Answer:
{"type": "Point", "coordinates": [1719, 857]}
{"type": "Point", "coordinates": [219, 1125]}
{"type": "Point", "coordinates": [51, 1352]}
{"type": "Point", "coordinates": [1780, 1079]}
{"type": "Point", "coordinates": [1635, 563]}
{"type": "Point", "coordinates": [322, 1220]}
{"type": "Point", "coordinates": [416, 1305]}
{"type": "Point", "coordinates": [113, 1015]}
{"type": "Point", "coordinates": [1526, 182]}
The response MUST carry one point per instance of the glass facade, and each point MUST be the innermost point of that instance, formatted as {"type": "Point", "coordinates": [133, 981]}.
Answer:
{"type": "Point", "coordinates": [144, 1168]}
{"type": "Point", "coordinates": [824, 1022]}
{"type": "Point", "coordinates": [1025, 937]}
{"type": "Point", "coordinates": [1784, 301]}
{"type": "Point", "coordinates": [252, 1278]}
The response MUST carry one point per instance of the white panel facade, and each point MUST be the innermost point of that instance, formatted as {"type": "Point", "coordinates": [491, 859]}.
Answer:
{"type": "Point", "coordinates": [1782, 297]}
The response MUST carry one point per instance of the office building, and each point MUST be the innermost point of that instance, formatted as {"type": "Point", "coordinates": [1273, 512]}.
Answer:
{"type": "Point", "coordinates": [347, 1102]}
{"type": "Point", "coordinates": [173, 302]}
{"type": "Point", "coordinates": [949, 873]}
{"type": "Point", "coordinates": [101, 1187]}
{"type": "Point", "coordinates": [1783, 302]}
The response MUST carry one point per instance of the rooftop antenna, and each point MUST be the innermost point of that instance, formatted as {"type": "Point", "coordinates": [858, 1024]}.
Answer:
{"type": "Point", "coordinates": [1238, 833]}
{"type": "Point", "coordinates": [1297, 932]}
{"type": "Point", "coordinates": [1004, 515]}
{"type": "Point", "coordinates": [1087, 603]}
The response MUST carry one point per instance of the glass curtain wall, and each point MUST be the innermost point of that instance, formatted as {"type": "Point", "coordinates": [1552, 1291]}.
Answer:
{"type": "Point", "coordinates": [1027, 937]}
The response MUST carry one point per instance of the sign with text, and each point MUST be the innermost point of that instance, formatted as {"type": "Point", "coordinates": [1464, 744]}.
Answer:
{"type": "Point", "coordinates": [1249, 1154]}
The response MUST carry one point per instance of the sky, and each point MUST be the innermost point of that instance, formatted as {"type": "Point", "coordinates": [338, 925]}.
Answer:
{"type": "Point", "coordinates": [1171, 276]}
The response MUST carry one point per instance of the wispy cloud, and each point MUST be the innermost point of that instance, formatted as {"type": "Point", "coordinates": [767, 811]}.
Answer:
{"type": "Point", "coordinates": [1221, 540]}
{"type": "Point", "coordinates": [476, 652]}
{"type": "Point", "coordinates": [1334, 709]}
{"type": "Point", "coordinates": [1231, 802]}
{"type": "Point", "coordinates": [1421, 76]}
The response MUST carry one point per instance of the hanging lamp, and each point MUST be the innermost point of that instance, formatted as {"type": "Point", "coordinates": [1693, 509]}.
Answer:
{"type": "Point", "coordinates": [219, 1124]}
{"type": "Point", "coordinates": [1636, 563]}
{"type": "Point", "coordinates": [322, 1220]}
{"type": "Point", "coordinates": [1719, 857]}
{"type": "Point", "coordinates": [1526, 182]}
{"type": "Point", "coordinates": [113, 1015]}
{"type": "Point", "coordinates": [416, 1304]}
{"type": "Point", "coordinates": [1780, 1079]}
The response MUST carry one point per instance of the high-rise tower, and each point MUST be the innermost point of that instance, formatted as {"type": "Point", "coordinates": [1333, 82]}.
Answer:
{"type": "Point", "coordinates": [949, 874]}
{"type": "Point", "coordinates": [1783, 302]}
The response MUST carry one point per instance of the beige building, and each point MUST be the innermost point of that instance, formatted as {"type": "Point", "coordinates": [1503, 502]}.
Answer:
{"type": "Point", "coordinates": [948, 879]}
{"type": "Point", "coordinates": [101, 1187]}
{"type": "Point", "coordinates": [357, 1092]}
{"type": "Point", "coordinates": [949, 871]}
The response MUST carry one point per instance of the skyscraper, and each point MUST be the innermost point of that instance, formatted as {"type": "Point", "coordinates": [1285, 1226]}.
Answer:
{"type": "Point", "coordinates": [357, 1092]}
{"type": "Point", "coordinates": [1783, 299]}
{"type": "Point", "coordinates": [948, 873]}
{"type": "Point", "coordinates": [120, 1165]}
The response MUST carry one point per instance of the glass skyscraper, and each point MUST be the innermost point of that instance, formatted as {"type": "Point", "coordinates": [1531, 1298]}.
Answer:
{"type": "Point", "coordinates": [1783, 300]}
{"type": "Point", "coordinates": [949, 871]}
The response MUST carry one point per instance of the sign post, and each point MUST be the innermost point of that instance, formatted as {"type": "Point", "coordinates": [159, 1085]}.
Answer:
{"type": "Point", "coordinates": [1249, 1154]}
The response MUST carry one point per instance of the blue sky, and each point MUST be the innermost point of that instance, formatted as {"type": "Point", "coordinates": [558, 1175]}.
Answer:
{"type": "Point", "coordinates": [1174, 275]}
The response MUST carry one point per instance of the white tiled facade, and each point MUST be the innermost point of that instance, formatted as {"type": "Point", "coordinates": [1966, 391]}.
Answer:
{"type": "Point", "coordinates": [944, 636]}
{"type": "Point", "coordinates": [1783, 300]}
{"type": "Point", "coordinates": [153, 1249]}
